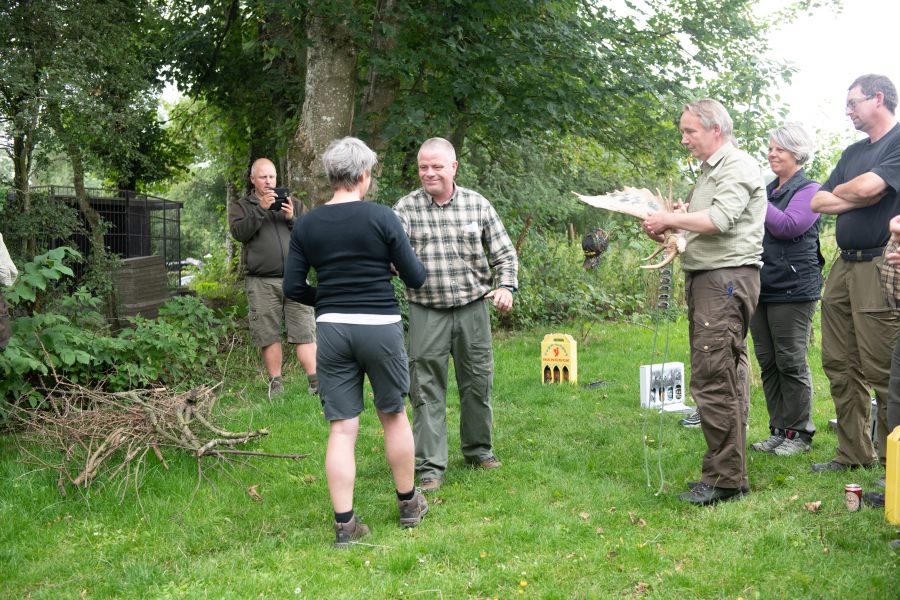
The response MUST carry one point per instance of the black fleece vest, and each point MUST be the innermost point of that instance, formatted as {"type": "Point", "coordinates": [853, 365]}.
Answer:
{"type": "Point", "coordinates": [792, 269]}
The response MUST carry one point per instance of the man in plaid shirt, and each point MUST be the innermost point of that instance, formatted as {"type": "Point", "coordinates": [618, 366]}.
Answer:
{"type": "Point", "coordinates": [469, 260]}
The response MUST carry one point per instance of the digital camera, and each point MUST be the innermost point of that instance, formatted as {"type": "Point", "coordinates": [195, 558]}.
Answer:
{"type": "Point", "coordinates": [281, 196]}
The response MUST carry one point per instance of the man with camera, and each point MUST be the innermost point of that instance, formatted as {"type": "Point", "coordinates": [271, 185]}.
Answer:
{"type": "Point", "coordinates": [262, 222]}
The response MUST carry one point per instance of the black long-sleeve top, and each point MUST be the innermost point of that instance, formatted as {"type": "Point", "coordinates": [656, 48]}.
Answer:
{"type": "Point", "coordinates": [351, 246]}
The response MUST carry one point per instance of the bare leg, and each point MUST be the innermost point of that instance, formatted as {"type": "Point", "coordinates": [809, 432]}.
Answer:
{"type": "Point", "coordinates": [399, 449]}
{"type": "Point", "coordinates": [340, 462]}
{"type": "Point", "coordinates": [306, 354]}
{"type": "Point", "coordinates": [272, 359]}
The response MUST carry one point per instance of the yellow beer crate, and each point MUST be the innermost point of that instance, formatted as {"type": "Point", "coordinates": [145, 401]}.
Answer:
{"type": "Point", "coordinates": [559, 359]}
{"type": "Point", "coordinates": [892, 478]}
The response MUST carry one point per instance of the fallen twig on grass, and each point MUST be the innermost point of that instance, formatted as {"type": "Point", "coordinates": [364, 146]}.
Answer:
{"type": "Point", "coordinates": [96, 435]}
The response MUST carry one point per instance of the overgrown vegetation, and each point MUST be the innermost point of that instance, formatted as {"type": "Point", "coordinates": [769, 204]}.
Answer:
{"type": "Point", "coordinates": [63, 336]}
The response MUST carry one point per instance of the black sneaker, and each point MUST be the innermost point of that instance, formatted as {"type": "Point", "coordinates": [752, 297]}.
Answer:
{"type": "Point", "coordinates": [692, 485]}
{"type": "Point", "coordinates": [704, 494]}
{"type": "Point", "coordinates": [692, 421]}
{"type": "Point", "coordinates": [873, 499]}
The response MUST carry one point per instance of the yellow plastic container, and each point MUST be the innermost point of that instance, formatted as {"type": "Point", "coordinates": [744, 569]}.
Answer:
{"type": "Point", "coordinates": [559, 359]}
{"type": "Point", "coordinates": [892, 479]}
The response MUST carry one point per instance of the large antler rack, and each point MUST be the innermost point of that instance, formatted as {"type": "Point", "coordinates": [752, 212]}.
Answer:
{"type": "Point", "coordinates": [640, 203]}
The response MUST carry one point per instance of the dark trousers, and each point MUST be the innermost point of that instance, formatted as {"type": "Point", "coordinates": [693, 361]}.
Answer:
{"type": "Point", "coordinates": [780, 341]}
{"type": "Point", "coordinates": [720, 305]}
{"type": "Point", "coordinates": [893, 404]}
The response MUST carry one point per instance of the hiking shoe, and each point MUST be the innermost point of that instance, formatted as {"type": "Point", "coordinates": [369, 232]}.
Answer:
{"type": "Point", "coordinates": [873, 499]}
{"type": "Point", "coordinates": [745, 489]}
{"type": "Point", "coordinates": [769, 444]}
{"type": "Point", "coordinates": [704, 494]}
{"type": "Point", "coordinates": [833, 465]}
{"type": "Point", "coordinates": [691, 421]}
{"type": "Point", "coordinates": [347, 533]}
{"type": "Point", "coordinates": [491, 462]}
{"type": "Point", "coordinates": [790, 447]}
{"type": "Point", "coordinates": [412, 511]}
{"type": "Point", "coordinates": [276, 386]}
{"type": "Point", "coordinates": [430, 485]}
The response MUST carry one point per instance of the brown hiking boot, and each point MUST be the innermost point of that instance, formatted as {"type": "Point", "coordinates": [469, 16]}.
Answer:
{"type": "Point", "coordinates": [347, 533]}
{"type": "Point", "coordinates": [430, 484]}
{"type": "Point", "coordinates": [412, 511]}
{"type": "Point", "coordinates": [491, 462]}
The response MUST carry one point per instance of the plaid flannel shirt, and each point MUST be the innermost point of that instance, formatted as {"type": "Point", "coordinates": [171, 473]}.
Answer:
{"type": "Point", "coordinates": [890, 278]}
{"type": "Point", "coordinates": [463, 245]}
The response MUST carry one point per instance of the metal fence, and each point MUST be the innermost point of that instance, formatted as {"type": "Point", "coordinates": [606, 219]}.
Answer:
{"type": "Point", "coordinates": [137, 224]}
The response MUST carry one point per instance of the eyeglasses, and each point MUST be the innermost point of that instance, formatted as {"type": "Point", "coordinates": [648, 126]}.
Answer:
{"type": "Point", "coordinates": [852, 103]}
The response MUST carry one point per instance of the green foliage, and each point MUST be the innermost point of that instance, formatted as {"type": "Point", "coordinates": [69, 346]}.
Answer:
{"type": "Point", "coordinates": [46, 220]}
{"type": "Point", "coordinates": [71, 340]}
{"type": "Point", "coordinates": [219, 284]}
{"type": "Point", "coordinates": [37, 279]}
{"type": "Point", "coordinates": [554, 288]}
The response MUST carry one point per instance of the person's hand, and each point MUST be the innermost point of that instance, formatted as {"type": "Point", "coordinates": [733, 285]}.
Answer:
{"type": "Point", "coordinates": [267, 198]}
{"type": "Point", "coordinates": [394, 270]}
{"type": "Point", "coordinates": [894, 227]}
{"type": "Point", "coordinates": [502, 299]}
{"type": "Point", "coordinates": [287, 209]}
{"type": "Point", "coordinates": [656, 225]}
{"type": "Point", "coordinates": [680, 207]}
{"type": "Point", "coordinates": [893, 258]}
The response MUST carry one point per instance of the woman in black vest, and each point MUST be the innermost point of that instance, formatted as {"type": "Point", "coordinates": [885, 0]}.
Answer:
{"type": "Point", "coordinates": [790, 285]}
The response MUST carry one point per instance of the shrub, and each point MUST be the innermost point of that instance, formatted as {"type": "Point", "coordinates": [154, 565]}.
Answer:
{"type": "Point", "coordinates": [71, 340]}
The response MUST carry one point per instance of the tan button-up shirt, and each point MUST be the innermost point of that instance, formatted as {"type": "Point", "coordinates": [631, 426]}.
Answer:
{"type": "Point", "coordinates": [732, 189]}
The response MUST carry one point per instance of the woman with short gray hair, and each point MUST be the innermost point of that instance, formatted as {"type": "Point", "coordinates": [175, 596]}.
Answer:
{"type": "Point", "coordinates": [354, 246]}
{"type": "Point", "coordinates": [790, 286]}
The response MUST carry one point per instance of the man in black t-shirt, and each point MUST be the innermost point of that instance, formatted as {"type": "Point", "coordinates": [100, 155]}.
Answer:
{"type": "Point", "coordinates": [857, 323]}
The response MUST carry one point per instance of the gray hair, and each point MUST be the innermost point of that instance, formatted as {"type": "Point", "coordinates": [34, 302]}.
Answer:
{"type": "Point", "coordinates": [794, 138]}
{"type": "Point", "coordinates": [871, 84]}
{"type": "Point", "coordinates": [442, 144]}
{"type": "Point", "coordinates": [712, 113]}
{"type": "Point", "coordinates": [345, 160]}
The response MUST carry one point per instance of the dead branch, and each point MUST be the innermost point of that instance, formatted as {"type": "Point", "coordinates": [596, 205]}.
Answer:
{"type": "Point", "coordinates": [97, 435]}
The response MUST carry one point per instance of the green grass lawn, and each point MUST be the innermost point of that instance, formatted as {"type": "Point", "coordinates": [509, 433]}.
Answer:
{"type": "Point", "coordinates": [573, 513]}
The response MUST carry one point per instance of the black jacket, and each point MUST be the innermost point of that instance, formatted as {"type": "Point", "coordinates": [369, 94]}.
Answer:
{"type": "Point", "coordinates": [792, 269]}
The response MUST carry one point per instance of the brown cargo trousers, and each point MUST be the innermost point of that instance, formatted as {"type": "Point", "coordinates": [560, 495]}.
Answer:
{"type": "Point", "coordinates": [859, 331]}
{"type": "Point", "coordinates": [720, 305]}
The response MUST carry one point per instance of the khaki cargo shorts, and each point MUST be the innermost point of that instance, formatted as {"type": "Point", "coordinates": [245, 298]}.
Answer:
{"type": "Point", "coordinates": [270, 313]}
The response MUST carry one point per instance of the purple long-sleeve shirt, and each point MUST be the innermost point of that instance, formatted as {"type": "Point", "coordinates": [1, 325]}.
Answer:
{"type": "Point", "coordinates": [796, 218]}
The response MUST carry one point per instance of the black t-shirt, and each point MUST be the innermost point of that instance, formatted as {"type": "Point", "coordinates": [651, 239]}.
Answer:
{"type": "Point", "coordinates": [867, 227]}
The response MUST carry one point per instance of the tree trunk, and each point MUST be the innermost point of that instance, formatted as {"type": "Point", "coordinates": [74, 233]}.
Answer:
{"type": "Point", "coordinates": [231, 193]}
{"type": "Point", "coordinates": [327, 113]}
{"type": "Point", "coordinates": [381, 90]}
{"type": "Point", "coordinates": [95, 227]}
{"type": "Point", "coordinates": [23, 146]}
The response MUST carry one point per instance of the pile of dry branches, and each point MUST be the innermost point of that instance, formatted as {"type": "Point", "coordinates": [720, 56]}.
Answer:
{"type": "Point", "coordinates": [107, 436]}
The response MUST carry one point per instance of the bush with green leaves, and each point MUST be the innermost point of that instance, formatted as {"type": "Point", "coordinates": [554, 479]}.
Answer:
{"type": "Point", "coordinates": [71, 340]}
